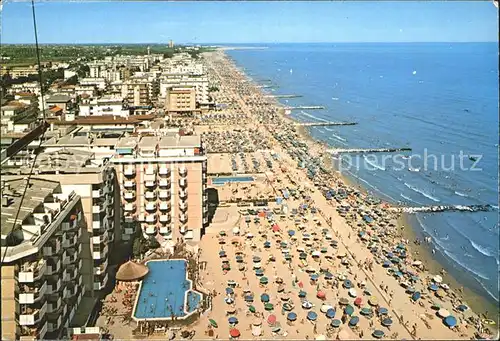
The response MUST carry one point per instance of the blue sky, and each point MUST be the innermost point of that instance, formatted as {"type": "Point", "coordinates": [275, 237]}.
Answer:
{"type": "Point", "coordinates": [250, 22]}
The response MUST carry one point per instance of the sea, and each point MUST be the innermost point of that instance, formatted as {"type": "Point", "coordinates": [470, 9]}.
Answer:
{"type": "Point", "coordinates": [439, 99]}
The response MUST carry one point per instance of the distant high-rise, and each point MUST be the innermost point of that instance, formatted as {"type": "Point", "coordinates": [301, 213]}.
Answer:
{"type": "Point", "coordinates": [171, 44]}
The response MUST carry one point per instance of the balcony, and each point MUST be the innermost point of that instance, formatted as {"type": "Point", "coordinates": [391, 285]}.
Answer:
{"type": "Point", "coordinates": [183, 229]}
{"type": "Point", "coordinates": [54, 306]}
{"type": "Point", "coordinates": [150, 170]}
{"type": "Point", "coordinates": [183, 206]}
{"type": "Point", "coordinates": [55, 325]}
{"type": "Point", "coordinates": [98, 208]}
{"type": "Point", "coordinates": [182, 171]}
{"type": "Point", "coordinates": [31, 294]}
{"type": "Point", "coordinates": [101, 268]}
{"type": "Point", "coordinates": [150, 229]}
{"type": "Point", "coordinates": [129, 184]}
{"type": "Point", "coordinates": [165, 218]}
{"type": "Point", "coordinates": [30, 315]}
{"type": "Point", "coordinates": [70, 291]}
{"type": "Point", "coordinates": [70, 239]}
{"type": "Point", "coordinates": [70, 225]}
{"type": "Point", "coordinates": [150, 206]}
{"type": "Point", "coordinates": [164, 170]}
{"type": "Point", "coordinates": [111, 237]}
{"type": "Point", "coordinates": [183, 182]}
{"type": "Point", "coordinates": [100, 239]}
{"type": "Point", "coordinates": [129, 171]}
{"type": "Point", "coordinates": [101, 284]}
{"type": "Point", "coordinates": [128, 195]}
{"type": "Point", "coordinates": [128, 230]}
{"type": "Point", "coordinates": [150, 195]}
{"type": "Point", "coordinates": [164, 206]}
{"type": "Point", "coordinates": [97, 193]}
{"type": "Point", "coordinates": [164, 183]}
{"type": "Point", "coordinates": [149, 183]}
{"type": "Point", "coordinates": [31, 272]}
{"type": "Point", "coordinates": [129, 207]}
{"type": "Point", "coordinates": [205, 210]}
{"type": "Point", "coordinates": [165, 195]}
{"type": "Point", "coordinates": [183, 193]}
{"type": "Point", "coordinates": [54, 285]}
{"type": "Point", "coordinates": [35, 332]}
{"type": "Point", "coordinates": [151, 218]}
{"type": "Point", "coordinates": [70, 273]}
{"type": "Point", "coordinates": [110, 212]}
{"type": "Point", "coordinates": [183, 218]}
{"type": "Point", "coordinates": [102, 254]}
{"type": "Point", "coordinates": [53, 267]}
{"type": "Point", "coordinates": [110, 199]}
{"type": "Point", "coordinates": [70, 257]}
{"type": "Point", "coordinates": [110, 176]}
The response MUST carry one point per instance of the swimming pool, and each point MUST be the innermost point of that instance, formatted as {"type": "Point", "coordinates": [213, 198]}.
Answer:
{"type": "Point", "coordinates": [222, 180]}
{"type": "Point", "coordinates": [166, 292]}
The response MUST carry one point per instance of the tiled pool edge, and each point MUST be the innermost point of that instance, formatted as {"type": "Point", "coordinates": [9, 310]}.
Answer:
{"type": "Point", "coordinates": [187, 314]}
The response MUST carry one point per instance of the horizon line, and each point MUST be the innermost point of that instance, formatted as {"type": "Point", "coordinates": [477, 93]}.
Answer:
{"type": "Point", "coordinates": [254, 43]}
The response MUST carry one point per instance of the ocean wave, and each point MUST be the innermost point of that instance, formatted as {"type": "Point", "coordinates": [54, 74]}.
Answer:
{"type": "Point", "coordinates": [335, 98]}
{"type": "Point", "coordinates": [405, 197]}
{"type": "Point", "coordinates": [461, 194]}
{"type": "Point", "coordinates": [415, 189]}
{"type": "Point", "coordinates": [482, 250]}
{"type": "Point", "coordinates": [455, 259]}
{"type": "Point", "coordinates": [312, 116]}
{"type": "Point", "coordinates": [328, 129]}
{"type": "Point", "coordinates": [492, 295]}
{"type": "Point", "coordinates": [338, 141]}
{"type": "Point", "coordinates": [373, 164]}
{"type": "Point", "coordinates": [339, 138]}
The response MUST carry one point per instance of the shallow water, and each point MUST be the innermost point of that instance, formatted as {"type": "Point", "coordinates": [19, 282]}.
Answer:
{"type": "Point", "coordinates": [439, 99]}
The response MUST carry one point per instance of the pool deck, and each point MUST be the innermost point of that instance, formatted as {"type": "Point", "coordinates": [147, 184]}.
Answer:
{"type": "Point", "coordinates": [167, 318]}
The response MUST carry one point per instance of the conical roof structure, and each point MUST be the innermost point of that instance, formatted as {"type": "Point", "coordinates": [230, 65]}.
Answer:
{"type": "Point", "coordinates": [131, 271]}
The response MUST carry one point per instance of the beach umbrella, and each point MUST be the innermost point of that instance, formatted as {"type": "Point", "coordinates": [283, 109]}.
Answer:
{"type": "Point", "coordinates": [462, 308]}
{"type": "Point", "coordinates": [344, 301]}
{"type": "Point", "coordinates": [302, 255]}
{"type": "Point", "coordinates": [302, 294]}
{"type": "Point", "coordinates": [440, 293]}
{"type": "Point", "coordinates": [450, 321]}
{"type": "Point", "coordinates": [335, 323]}
{"type": "Point", "coordinates": [373, 300]}
{"type": "Point", "coordinates": [386, 264]}
{"type": "Point", "coordinates": [324, 250]}
{"type": "Point", "coordinates": [268, 306]}
{"type": "Point", "coordinates": [416, 295]}
{"type": "Point", "coordinates": [239, 259]}
{"type": "Point", "coordinates": [291, 232]}
{"type": "Point", "coordinates": [316, 254]}
{"type": "Point", "coordinates": [228, 300]}
{"type": "Point", "coordinates": [222, 233]}
{"type": "Point", "coordinates": [306, 305]}
{"type": "Point", "coordinates": [267, 245]}
{"type": "Point", "coordinates": [256, 259]}
{"type": "Point", "coordinates": [387, 322]}
{"type": "Point", "coordinates": [378, 334]}
{"type": "Point", "coordinates": [249, 298]}
{"type": "Point", "coordinates": [232, 320]}
{"type": "Point", "coordinates": [321, 295]}
{"type": "Point", "coordinates": [257, 265]}
{"type": "Point", "coordinates": [234, 332]}
{"type": "Point", "coordinates": [324, 307]}
{"type": "Point", "coordinates": [382, 311]}
{"type": "Point", "coordinates": [314, 277]}
{"type": "Point", "coordinates": [443, 313]}
{"type": "Point", "coordinates": [349, 310]}
{"type": "Point", "coordinates": [213, 323]}
{"type": "Point", "coordinates": [241, 267]}
{"type": "Point", "coordinates": [410, 290]}
{"type": "Point", "coordinates": [437, 279]}
{"type": "Point", "coordinates": [222, 254]}
{"type": "Point", "coordinates": [328, 275]}
{"type": "Point", "coordinates": [229, 291]}
{"type": "Point", "coordinates": [264, 280]}
{"type": "Point", "coordinates": [257, 322]}
{"type": "Point", "coordinates": [271, 319]}
{"type": "Point", "coordinates": [352, 292]}
{"type": "Point", "coordinates": [287, 306]}
{"type": "Point", "coordinates": [252, 309]}
{"type": "Point", "coordinates": [330, 313]}
{"type": "Point", "coordinates": [259, 272]}
{"type": "Point", "coordinates": [354, 321]}
{"type": "Point", "coordinates": [288, 256]}
{"type": "Point", "coordinates": [347, 284]}
{"type": "Point", "coordinates": [366, 311]}
{"type": "Point", "coordinates": [291, 316]}
{"type": "Point", "coordinates": [312, 316]}
{"type": "Point", "coordinates": [264, 298]}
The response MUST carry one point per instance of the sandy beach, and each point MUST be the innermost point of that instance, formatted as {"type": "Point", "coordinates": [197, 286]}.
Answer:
{"type": "Point", "coordinates": [311, 266]}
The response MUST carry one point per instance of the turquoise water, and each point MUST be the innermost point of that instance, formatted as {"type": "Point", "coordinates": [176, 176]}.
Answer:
{"type": "Point", "coordinates": [437, 98]}
{"type": "Point", "coordinates": [163, 291]}
{"type": "Point", "coordinates": [226, 179]}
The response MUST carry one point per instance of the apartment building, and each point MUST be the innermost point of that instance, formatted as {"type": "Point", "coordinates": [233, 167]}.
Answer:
{"type": "Point", "coordinates": [42, 284]}
{"type": "Point", "coordinates": [69, 158]}
{"type": "Point", "coordinates": [163, 183]}
{"type": "Point", "coordinates": [105, 105]}
{"type": "Point", "coordinates": [180, 99]}
{"type": "Point", "coordinates": [200, 83]}
{"type": "Point", "coordinates": [136, 93]}
{"type": "Point", "coordinates": [23, 71]}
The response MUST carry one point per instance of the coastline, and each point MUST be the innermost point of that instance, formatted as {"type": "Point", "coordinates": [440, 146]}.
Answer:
{"type": "Point", "coordinates": [477, 302]}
